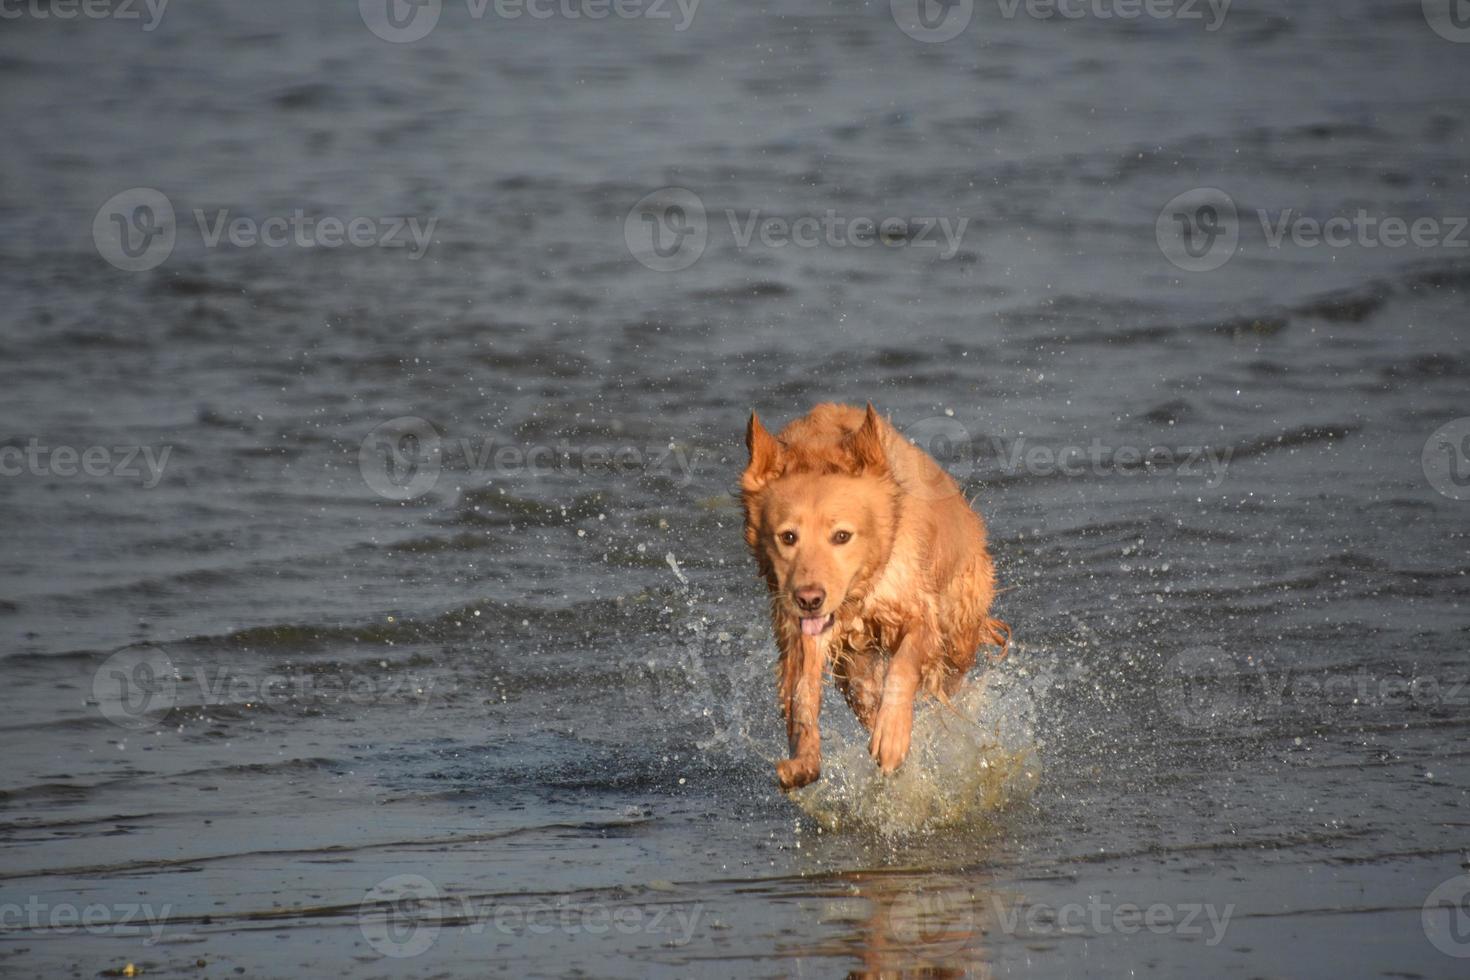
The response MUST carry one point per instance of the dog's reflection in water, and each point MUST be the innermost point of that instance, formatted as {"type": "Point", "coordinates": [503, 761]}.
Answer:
{"type": "Point", "coordinates": [917, 926]}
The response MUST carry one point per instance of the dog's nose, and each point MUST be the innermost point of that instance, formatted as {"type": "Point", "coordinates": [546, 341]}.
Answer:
{"type": "Point", "coordinates": [809, 599]}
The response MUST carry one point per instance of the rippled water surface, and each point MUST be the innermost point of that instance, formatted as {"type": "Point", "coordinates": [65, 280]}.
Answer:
{"type": "Point", "coordinates": [404, 627]}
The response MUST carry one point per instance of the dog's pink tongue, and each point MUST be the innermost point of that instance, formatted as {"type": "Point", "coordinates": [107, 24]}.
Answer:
{"type": "Point", "coordinates": [813, 625]}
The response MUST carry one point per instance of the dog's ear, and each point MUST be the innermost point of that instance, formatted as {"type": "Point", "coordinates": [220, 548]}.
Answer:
{"type": "Point", "coordinates": [765, 456]}
{"type": "Point", "coordinates": [867, 445]}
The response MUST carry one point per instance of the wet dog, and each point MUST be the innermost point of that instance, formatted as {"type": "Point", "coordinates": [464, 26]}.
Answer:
{"type": "Point", "coordinates": [877, 569]}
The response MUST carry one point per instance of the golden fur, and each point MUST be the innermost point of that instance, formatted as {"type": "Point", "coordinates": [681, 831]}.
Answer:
{"type": "Point", "coordinates": [846, 515]}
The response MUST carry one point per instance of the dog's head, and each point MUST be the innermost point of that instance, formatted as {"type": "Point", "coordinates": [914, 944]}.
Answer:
{"type": "Point", "coordinates": [819, 518]}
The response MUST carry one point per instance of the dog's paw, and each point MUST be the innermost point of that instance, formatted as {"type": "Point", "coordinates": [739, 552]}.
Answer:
{"type": "Point", "coordinates": [796, 773]}
{"type": "Point", "coordinates": [891, 732]}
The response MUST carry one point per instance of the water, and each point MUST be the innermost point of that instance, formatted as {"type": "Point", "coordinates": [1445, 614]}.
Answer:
{"type": "Point", "coordinates": [525, 716]}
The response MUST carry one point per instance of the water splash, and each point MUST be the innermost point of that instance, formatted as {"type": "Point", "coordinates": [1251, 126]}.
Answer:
{"type": "Point", "coordinates": [968, 761]}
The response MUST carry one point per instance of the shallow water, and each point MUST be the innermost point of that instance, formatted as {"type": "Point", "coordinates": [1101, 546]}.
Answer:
{"type": "Point", "coordinates": [296, 719]}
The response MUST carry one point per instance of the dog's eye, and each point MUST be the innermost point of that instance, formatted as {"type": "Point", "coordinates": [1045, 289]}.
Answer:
{"type": "Point", "coordinates": [788, 538]}
{"type": "Point", "coordinates": [842, 537]}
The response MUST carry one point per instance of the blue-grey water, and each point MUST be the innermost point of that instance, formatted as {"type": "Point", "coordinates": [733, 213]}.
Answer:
{"type": "Point", "coordinates": [381, 609]}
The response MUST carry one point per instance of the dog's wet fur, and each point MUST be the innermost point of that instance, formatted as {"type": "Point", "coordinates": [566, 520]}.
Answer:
{"type": "Point", "coordinates": [877, 569]}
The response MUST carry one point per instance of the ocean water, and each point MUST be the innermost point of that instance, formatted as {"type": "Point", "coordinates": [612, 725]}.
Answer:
{"type": "Point", "coordinates": [399, 623]}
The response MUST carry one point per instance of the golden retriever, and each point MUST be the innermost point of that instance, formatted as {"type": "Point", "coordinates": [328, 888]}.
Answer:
{"type": "Point", "coordinates": [877, 568]}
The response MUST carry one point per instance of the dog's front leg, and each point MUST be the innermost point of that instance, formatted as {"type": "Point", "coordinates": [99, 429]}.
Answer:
{"type": "Point", "coordinates": [801, 702]}
{"type": "Point", "coordinates": [894, 725]}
